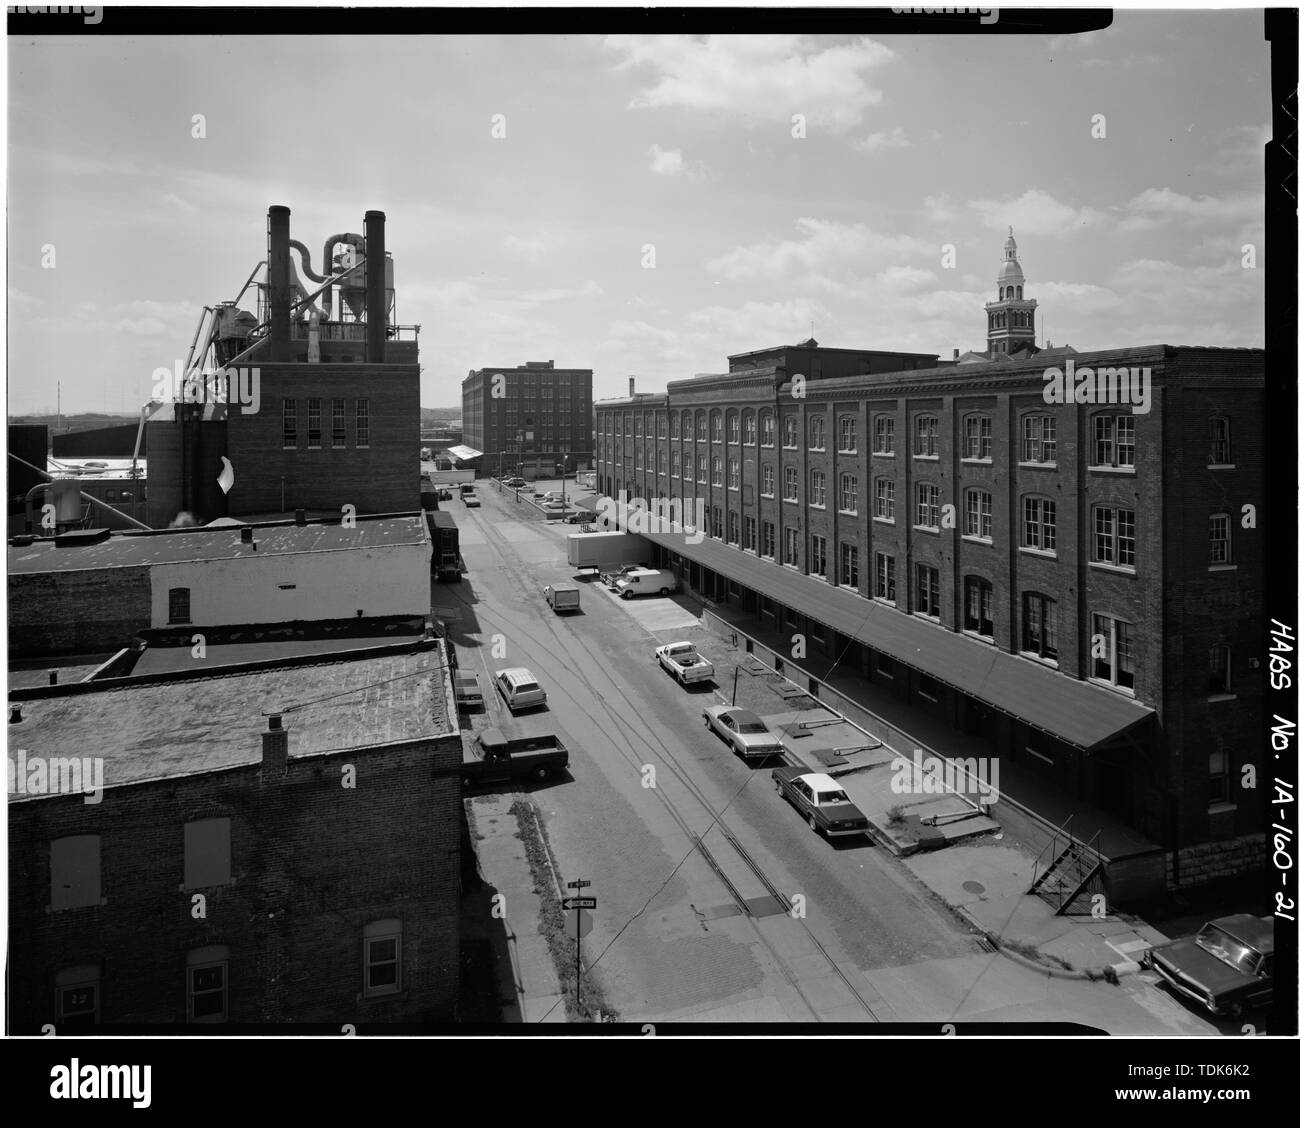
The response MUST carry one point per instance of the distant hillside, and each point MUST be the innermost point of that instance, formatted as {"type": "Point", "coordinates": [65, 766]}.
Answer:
{"type": "Point", "coordinates": [435, 416]}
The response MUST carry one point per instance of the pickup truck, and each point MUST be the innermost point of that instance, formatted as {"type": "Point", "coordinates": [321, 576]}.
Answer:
{"type": "Point", "coordinates": [684, 662]}
{"type": "Point", "coordinates": [469, 694]}
{"type": "Point", "coordinates": [507, 753]}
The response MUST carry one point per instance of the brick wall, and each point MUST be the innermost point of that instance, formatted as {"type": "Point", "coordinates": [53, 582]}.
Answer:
{"type": "Point", "coordinates": [1213, 861]}
{"type": "Point", "coordinates": [312, 863]}
{"type": "Point", "coordinates": [83, 612]}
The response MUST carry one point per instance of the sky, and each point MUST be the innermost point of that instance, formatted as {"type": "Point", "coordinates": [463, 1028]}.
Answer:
{"type": "Point", "coordinates": [651, 206]}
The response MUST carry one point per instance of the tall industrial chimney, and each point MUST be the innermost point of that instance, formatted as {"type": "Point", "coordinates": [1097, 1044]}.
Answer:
{"type": "Point", "coordinates": [277, 269]}
{"type": "Point", "coordinates": [631, 385]}
{"type": "Point", "coordinates": [376, 288]}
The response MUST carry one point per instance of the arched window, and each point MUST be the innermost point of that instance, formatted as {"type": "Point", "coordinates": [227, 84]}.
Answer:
{"type": "Point", "coordinates": [767, 428]}
{"type": "Point", "coordinates": [750, 428]}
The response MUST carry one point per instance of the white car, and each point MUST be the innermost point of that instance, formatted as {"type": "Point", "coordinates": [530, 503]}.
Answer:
{"type": "Point", "coordinates": [519, 688]}
{"type": "Point", "coordinates": [744, 730]}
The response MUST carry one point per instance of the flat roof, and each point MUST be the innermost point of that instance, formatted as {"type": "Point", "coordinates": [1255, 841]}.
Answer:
{"type": "Point", "coordinates": [167, 727]}
{"type": "Point", "coordinates": [1072, 710]}
{"type": "Point", "coordinates": [814, 347]}
{"type": "Point", "coordinates": [222, 543]}
{"type": "Point", "coordinates": [463, 453]}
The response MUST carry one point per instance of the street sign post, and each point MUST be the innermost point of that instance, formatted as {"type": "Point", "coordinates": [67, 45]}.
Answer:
{"type": "Point", "coordinates": [578, 903]}
{"type": "Point", "coordinates": [577, 924]}
{"type": "Point", "coordinates": [576, 884]}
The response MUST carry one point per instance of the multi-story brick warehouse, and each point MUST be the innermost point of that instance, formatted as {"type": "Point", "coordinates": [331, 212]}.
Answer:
{"type": "Point", "coordinates": [336, 416]}
{"type": "Point", "coordinates": [530, 417]}
{"type": "Point", "coordinates": [1080, 584]}
{"type": "Point", "coordinates": [276, 844]}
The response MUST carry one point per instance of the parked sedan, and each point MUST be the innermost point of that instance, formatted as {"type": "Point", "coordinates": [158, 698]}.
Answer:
{"type": "Point", "coordinates": [743, 730]}
{"type": "Point", "coordinates": [1227, 967]}
{"type": "Point", "coordinates": [519, 688]}
{"type": "Point", "coordinates": [820, 800]}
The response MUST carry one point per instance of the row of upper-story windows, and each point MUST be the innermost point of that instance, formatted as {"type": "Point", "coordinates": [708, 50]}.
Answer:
{"type": "Point", "coordinates": [1112, 436]}
{"type": "Point", "coordinates": [338, 423]}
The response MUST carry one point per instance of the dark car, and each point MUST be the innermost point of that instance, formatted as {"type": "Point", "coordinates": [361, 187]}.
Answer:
{"type": "Point", "coordinates": [821, 801]}
{"type": "Point", "coordinates": [1227, 967]}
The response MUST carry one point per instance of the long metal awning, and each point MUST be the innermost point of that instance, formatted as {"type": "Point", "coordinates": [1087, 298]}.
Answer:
{"type": "Point", "coordinates": [1064, 707]}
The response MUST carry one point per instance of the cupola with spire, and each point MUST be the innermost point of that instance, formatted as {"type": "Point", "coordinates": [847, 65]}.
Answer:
{"type": "Point", "coordinates": [1011, 317]}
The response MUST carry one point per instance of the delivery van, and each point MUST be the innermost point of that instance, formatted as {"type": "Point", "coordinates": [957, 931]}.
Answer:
{"type": "Point", "coordinates": [646, 581]}
{"type": "Point", "coordinates": [563, 597]}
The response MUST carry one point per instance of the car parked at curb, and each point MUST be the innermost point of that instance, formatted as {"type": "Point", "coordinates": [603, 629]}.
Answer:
{"type": "Point", "coordinates": [519, 688]}
{"type": "Point", "coordinates": [744, 730]}
{"type": "Point", "coordinates": [684, 662]}
{"type": "Point", "coordinates": [820, 800]}
{"type": "Point", "coordinates": [1227, 966]}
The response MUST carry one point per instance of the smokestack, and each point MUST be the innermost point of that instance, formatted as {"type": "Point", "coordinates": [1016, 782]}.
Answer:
{"type": "Point", "coordinates": [631, 385]}
{"type": "Point", "coordinates": [955, 354]}
{"type": "Point", "coordinates": [275, 747]}
{"type": "Point", "coordinates": [376, 288]}
{"type": "Point", "coordinates": [277, 269]}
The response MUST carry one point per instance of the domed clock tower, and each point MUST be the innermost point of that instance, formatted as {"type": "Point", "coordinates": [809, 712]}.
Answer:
{"type": "Point", "coordinates": [1011, 317]}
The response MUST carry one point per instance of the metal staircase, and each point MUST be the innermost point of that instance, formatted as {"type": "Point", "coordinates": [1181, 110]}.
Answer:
{"type": "Point", "coordinates": [1076, 870]}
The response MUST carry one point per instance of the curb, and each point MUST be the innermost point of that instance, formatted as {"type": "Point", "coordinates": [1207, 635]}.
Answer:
{"type": "Point", "coordinates": [1106, 972]}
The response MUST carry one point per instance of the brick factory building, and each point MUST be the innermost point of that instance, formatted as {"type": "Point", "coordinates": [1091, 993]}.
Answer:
{"type": "Point", "coordinates": [528, 418]}
{"type": "Point", "coordinates": [89, 592]}
{"type": "Point", "coordinates": [271, 846]}
{"type": "Point", "coordinates": [333, 418]}
{"type": "Point", "coordinates": [1077, 585]}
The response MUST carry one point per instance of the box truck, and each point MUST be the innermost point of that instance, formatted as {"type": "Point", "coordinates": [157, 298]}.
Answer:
{"type": "Point", "coordinates": [447, 563]}
{"type": "Point", "coordinates": [606, 551]}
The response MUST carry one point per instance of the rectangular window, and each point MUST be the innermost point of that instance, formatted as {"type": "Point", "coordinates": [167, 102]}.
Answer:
{"type": "Point", "coordinates": [769, 480]}
{"type": "Point", "coordinates": [676, 461]}
{"type": "Point", "coordinates": [74, 872]}
{"type": "Point", "coordinates": [817, 556]}
{"type": "Point", "coordinates": [383, 958]}
{"type": "Point", "coordinates": [978, 438]}
{"type": "Point", "coordinates": [733, 527]}
{"type": "Point", "coordinates": [849, 565]}
{"type": "Point", "coordinates": [1220, 447]}
{"type": "Point", "coordinates": [979, 606]}
{"type": "Point", "coordinates": [791, 492]}
{"type": "Point", "coordinates": [751, 534]}
{"type": "Point", "coordinates": [848, 434]}
{"type": "Point", "coordinates": [817, 488]}
{"type": "Point", "coordinates": [927, 590]}
{"type": "Point", "coordinates": [885, 498]}
{"type": "Point", "coordinates": [733, 474]}
{"type": "Point", "coordinates": [751, 429]}
{"type": "Point", "coordinates": [769, 431]}
{"type": "Point", "coordinates": [1039, 525]}
{"type": "Point", "coordinates": [769, 541]}
{"type": "Point", "coordinates": [884, 434]}
{"type": "Point", "coordinates": [715, 522]}
{"type": "Point", "coordinates": [338, 426]}
{"type": "Point", "coordinates": [979, 514]}
{"type": "Point", "coordinates": [702, 469]}
{"type": "Point", "coordinates": [1217, 777]}
{"type": "Point", "coordinates": [817, 432]}
{"type": "Point", "coordinates": [717, 428]}
{"type": "Point", "coordinates": [178, 605]}
{"type": "Point", "coordinates": [206, 975]}
{"type": "Point", "coordinates": [363, 423]}
{"type": "Point", "coordinates": [1039, 626]}
{"type": "Point", "coordinates": [313, 423]}
{"type": "Point", "coordinates": [207, 853]}
{"type": "Point", "coordinates": [290, 424]}
{"type": "Point", "coordinates": [675, 426]}
{"type": "Point", "coordinates": [1112, 653]}
{"type": "Point", "coordinates": [1125, 444]}
{"type": "Point", "coordinates": [791, 546]}
{"type": "Point", "coordinates": [1220, 546]}
{"type": "Point", "coordinates": [927, 505]}
{"type": "Point", "coordinates": [1114, 539]}
{"type": "Point", "coordinates": [733, 428]}
{"type": "Point", "coordinates": [1038, 439]}
{"type": "Point", "coordinates": [884, 588]}
{"type": "Point", "coordinates": [790, 432]}
{"type": "Point", "coordinates": [927, 436]}
{"type": "Point", "coordinates": [1112, 440]}
{"type": "Point", "coordinates": [848, 493]}
{"type": "Point", "coordinates": [1220, 676]}
{"type": "Point", "coordinates": [717, 471]}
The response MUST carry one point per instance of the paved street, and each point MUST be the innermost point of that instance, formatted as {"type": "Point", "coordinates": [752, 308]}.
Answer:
{"type": "Point", "coordinates": [670, 940]}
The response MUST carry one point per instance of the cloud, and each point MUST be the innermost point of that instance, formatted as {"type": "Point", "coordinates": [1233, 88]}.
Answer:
{"type": "Point", "coordinates": [1036, 212]}
{"type": "Point", "coordinates": [755, 78]}
{"type": "Point", "coordinates": [176, 202]}
{"type": "Point", "coordinates": [670, 162]}
{"type": "Point", "coordinates": [1160, 207]}
{"type": "Point", "coordinates": [895, 138]}
{"type": "Point", "coordinates": [820, 248]}
{"type": "Point", "coordinates": [532, 248]}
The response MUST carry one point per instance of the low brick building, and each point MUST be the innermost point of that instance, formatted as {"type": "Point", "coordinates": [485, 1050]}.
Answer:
{"type": "Point", "coordinates": [89, 593]}
{"type": "Point", "coordinates": [270, 846]}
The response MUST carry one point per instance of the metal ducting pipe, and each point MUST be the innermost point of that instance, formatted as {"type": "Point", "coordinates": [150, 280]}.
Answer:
{"type": "Point", "coordinates": [301, 248]}
{"type": "Point", "coordinates": [376, 289]}
{"type": "Point", "coordinates": [356, 241]}
{"type": "Point", "coordinates": [277, 269]}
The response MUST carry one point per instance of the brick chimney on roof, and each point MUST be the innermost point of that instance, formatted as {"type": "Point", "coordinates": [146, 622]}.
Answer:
{"type": "Point", "coordinates": [631, 385]}
{"type": "Point", "coordinates": [275, 748]}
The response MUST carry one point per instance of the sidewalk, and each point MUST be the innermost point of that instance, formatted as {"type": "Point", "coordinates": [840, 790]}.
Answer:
{"type": "Point", "coordinates": [945, 840]}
